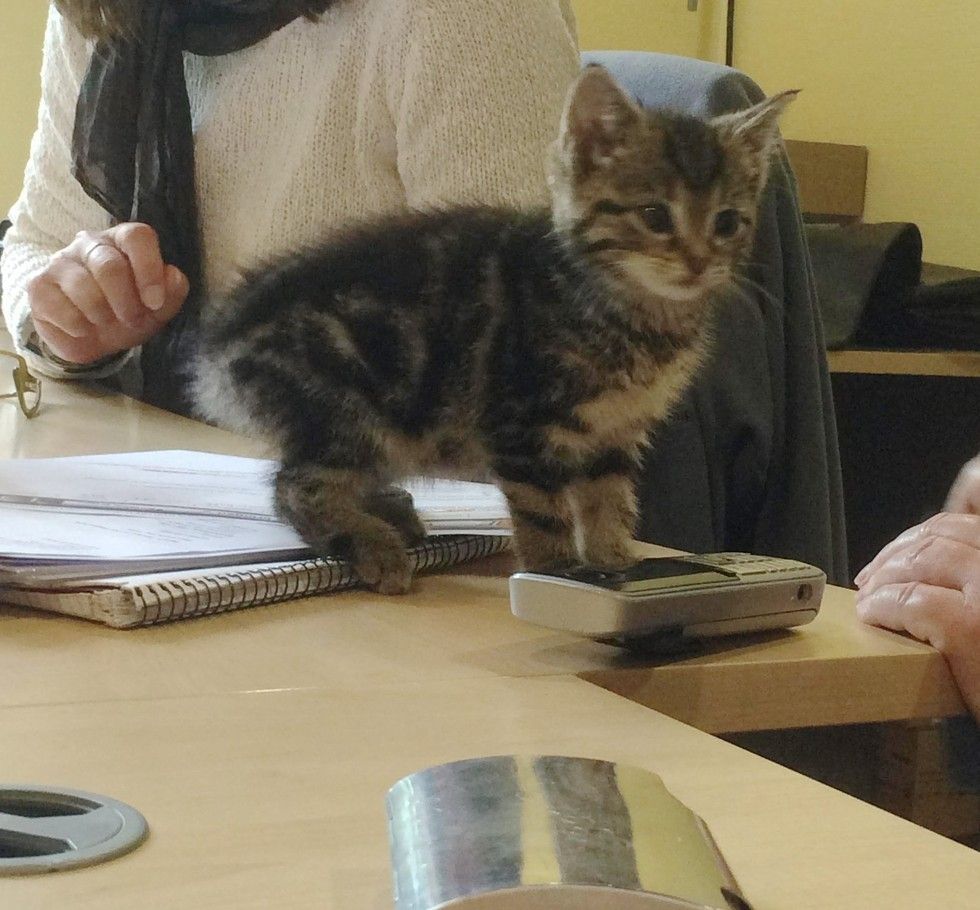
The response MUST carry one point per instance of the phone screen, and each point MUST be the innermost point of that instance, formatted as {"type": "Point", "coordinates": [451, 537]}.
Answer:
{"type": "Point", "coordinates": [651, 574]}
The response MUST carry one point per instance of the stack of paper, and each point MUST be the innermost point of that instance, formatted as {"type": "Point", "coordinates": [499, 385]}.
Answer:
{"type": "Point", "coordinates": [101, 515]}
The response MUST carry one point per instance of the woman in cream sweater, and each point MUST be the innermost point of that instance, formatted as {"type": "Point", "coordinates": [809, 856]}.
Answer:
{"type": "Point", "coordinates": [180, 142]}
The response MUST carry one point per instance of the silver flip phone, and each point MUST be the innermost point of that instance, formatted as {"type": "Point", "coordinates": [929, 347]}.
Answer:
{"type": "Point", "coordinates": [669, 598]}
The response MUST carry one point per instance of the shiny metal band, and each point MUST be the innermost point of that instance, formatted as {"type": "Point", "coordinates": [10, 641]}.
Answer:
{"type": "Point", "coordinates": [547, 832]}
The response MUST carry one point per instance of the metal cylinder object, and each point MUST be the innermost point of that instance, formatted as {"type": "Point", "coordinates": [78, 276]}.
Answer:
{"type": "Point", "coordinates": [547, 832]}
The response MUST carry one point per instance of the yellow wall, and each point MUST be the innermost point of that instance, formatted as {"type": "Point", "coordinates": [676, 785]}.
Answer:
{"type": "Point", "coordinates": [653, 25]}
{"type": "Point", "coordinates": [901, 77]}
{"type": "Point", "coordinates": [21, 34]}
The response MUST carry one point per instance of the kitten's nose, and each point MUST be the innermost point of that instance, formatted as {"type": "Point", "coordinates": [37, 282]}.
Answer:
{"type": "Point", "coordinates": [696, 265]}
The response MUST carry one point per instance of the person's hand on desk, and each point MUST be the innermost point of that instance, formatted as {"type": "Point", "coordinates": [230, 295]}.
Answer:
{"type": "Point", "coordinates": [926, 582]}
{"type": "Point", "coordinates": [105, 292]}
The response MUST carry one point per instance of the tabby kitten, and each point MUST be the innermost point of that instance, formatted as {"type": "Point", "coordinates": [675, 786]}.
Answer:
{"type": "Point", "coordinates": [536, 348]}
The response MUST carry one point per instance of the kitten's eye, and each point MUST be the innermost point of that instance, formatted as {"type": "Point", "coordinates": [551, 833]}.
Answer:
{"type": "Point", "coordinates": [657, 218]}
{"type": "Point", "coordinates": [727, 223]}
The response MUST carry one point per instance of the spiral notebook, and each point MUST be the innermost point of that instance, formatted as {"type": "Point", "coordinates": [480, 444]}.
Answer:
{"type": "Point", "coordinates": [140, 538]}
{"type": "Point", "coordinates": [144, 600]}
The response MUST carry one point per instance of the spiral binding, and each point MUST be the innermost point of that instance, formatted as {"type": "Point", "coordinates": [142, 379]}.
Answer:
{"type": "Point", "coordinates": [219, 592]}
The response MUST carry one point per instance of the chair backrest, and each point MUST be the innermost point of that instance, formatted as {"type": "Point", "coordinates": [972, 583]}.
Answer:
{"type": "Point", "coordinates": [665, 80]}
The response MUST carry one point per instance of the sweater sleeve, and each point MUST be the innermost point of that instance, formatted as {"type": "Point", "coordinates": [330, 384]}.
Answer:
{"type": "Point", "coordinates": [476, 89]}
{"type": "Point", "coordinates": [52, 207]}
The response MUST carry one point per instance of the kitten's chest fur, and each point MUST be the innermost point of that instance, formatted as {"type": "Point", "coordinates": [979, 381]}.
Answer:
{"type": "Point", "coordinates": [580, 403]}
{"type": "Point", "coordinates": [620, 414]}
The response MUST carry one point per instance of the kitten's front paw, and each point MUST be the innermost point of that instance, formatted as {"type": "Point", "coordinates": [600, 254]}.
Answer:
{"type": "Point", "coordinates": [395, 506]}
{"type": "Point", "coordinates": [410, 527]}
{"type": "Point", "coordinates": [551, 566]}
{"type": "Point", "coordinates": [609, 559]}
{"type": "Point", "coordinates": [385, 568]}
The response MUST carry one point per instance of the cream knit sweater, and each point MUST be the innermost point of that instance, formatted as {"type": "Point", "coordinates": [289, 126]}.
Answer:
{"type": "Point", "coordinates": [381, 106]}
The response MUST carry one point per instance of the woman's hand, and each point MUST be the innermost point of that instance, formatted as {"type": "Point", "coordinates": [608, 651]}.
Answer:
{"type": "Point", "coordinates": [104, 293]}
{"type": "Point", "coordinates": [927, 582]}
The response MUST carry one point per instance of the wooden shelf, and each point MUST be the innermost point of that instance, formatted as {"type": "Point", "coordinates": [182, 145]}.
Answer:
{"type": "Point", "coordinates": [905, 363]}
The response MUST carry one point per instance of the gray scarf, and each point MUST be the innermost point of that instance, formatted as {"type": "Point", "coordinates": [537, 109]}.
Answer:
{"type": "Point", "coordinates": [133, 144]}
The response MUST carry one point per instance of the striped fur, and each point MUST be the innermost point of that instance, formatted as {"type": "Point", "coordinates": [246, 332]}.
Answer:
{"type": "Point", "coordinates": [534, 348]}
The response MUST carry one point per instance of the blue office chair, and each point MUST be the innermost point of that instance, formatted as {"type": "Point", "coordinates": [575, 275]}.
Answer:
{"type": "Point", "coordinates": [750, 459]}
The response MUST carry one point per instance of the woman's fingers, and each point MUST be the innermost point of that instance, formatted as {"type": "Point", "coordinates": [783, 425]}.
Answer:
{"type": "Point", "coordinates": [956, 527]}
{"type": "Point", "coordinates": [110, 270]}
{"type": "Point", "coordinates": [52, 305]}
{"type": "Point", "coordinates": [945, 618]}
{"type": "Point", "coordinates": [140, 245]}
{"type": "Point", "coordinates": [63, 345]}
{"type": "Point", "coordinates": [931, 560]}
{"type": "Point", "coordinates": [107, 291]}
{"type": "Point", "coordinates": [925, 611]}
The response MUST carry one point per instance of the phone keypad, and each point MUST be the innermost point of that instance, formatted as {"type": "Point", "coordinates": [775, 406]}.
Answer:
{"type": "Point", "coordinates": [748, 563]}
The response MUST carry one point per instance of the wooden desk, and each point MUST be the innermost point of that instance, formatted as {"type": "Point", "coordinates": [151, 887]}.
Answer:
{"type": "Point", "coordinates": [276, 799]}
{"type": "Point", "coordinates": [260, 744]}
{"type": "Point", "coordinates": [452, 626]}
{"type": "Point", "coordinates": [85, 419]}
{"type": "Point", "coordinates": [458, 626]}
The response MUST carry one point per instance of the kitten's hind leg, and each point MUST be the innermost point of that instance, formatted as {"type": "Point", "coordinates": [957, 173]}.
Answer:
{"type": "Point", "coordinates": [328, 507]}
{"type": "Point", "coordinates": [544, 527]}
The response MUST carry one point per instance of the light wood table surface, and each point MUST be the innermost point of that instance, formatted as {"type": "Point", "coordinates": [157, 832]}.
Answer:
{"type": "Point", "coordinates": [86, 419]}
{"type": "Point", "coordinates": [455, 625]}
{"type": "Point", "coordinates": [458, 626]}
{"type": "Point", "coordinates": [276, 799]}
{"type": "Point", "coordinates": [260, 744]}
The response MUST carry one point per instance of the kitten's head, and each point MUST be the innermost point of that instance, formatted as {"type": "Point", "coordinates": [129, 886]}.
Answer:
{"type": "Point", "coordinates": [664, 198]}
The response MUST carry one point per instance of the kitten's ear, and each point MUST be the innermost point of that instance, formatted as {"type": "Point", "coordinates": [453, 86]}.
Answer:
{"type": "Point", "coordinates": [597, 120]}
{"type": "Point", "coordinates": [758, 126]}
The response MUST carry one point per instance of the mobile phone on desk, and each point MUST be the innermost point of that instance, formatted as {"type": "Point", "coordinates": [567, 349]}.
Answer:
{"type": "Point", "coordinates": [670, 599]}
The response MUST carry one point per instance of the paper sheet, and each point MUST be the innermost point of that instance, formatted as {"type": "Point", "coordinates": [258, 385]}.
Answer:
{"type": "Point", "coordinates": [99, 515]}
